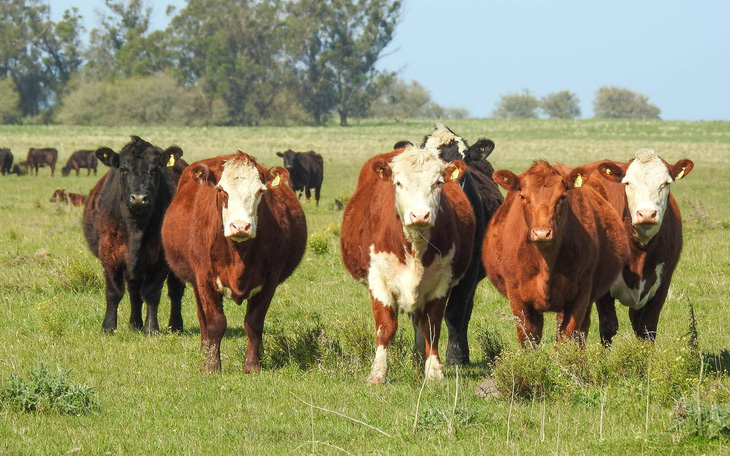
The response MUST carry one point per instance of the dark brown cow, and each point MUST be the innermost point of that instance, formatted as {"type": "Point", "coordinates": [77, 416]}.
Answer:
{"type": "Point", "coordinates": [61, 195]}
{"type": "Point", "coordinates": [80, 159]}
{"type": "Point", "coordinates": [407, 233]}
{"type": "Point", "coordinates": [555, 245]}
{"type": "Point", "coordinates": [639, 191]}
{"type": "Point", "coordinates": [234, 229]}
{"type": "Point", "coordinates": [40, 158]}
{"type": "Point", "coordinates": [306, 171]}
{"type": "Point", "coordinates": [6, 161]}
{"type": "Point", "coordinates": [122, 222]}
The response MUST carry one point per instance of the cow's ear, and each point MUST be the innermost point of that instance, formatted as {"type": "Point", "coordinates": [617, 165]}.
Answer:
{"type": "Point", "coordinates": [202, 174]}
{"type": "Point", "coordinates": [108, 157]}
{"type": "Point", "coordinates": [611, 171]}
{"type": "Point", "coordinates": [279, 154]}
{"type": "Point", "coordinates": [507, 180]}
{"type": "Point", "coordinates": [481, 149]}
{"type": "Point", "coordinates": [454, 170]}
{"type": "Point", "coordinates": [276, 176]}
{"type": "Point", "coordinates": [382, 169]}
{"type": "Point", "coordinates": [170, 156]}
{"type": "Point", "coordinates": [577, 178]}
{"type": "Point", "coordinates": [681, 169]}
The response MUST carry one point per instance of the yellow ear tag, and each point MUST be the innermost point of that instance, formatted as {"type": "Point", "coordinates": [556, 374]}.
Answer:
{"type": "Point", "coordinates": [608, 171]}
{"type": "Point", "coordinates": [200, 173]}
{"type": "Point", "coordinates": [106, 155]}
{"type": "Point", "coordinates": [579, 181]}
{"type": "Point", "coordinates": [506, 179]}
{"type": "Point", "coordinates": [455, 174]}
{"type": "Point", "coordinates": [171, 161]}
{"type": "Point", "coordinates": [681, 174]}
{"type": "Point", "coordinates": [276, 180]}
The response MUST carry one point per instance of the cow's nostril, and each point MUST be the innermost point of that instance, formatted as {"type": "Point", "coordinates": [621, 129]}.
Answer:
{"type": "Point", "coordinates": [138, 199]}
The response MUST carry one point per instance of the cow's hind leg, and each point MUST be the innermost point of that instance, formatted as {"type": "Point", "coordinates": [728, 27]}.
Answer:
{"type": "Point", "coordinates": [257, 307]}
{"type": "Point", "coordinates": [430, 323]}
{"type": "Point", "coordinates": [213, 323]}
{"type": "Point", "coordinates": [316, 194]}
{"type": "Point", "coordinates": [386, 323]}
{"type": "Point", "coordinates": [607, 319]}
{"type": "Point", "coordinates": [175, 291]}
{"type": "Point", "coordinates": [114, 293]}
{"type": "Point", "coordinates": [457, 316]}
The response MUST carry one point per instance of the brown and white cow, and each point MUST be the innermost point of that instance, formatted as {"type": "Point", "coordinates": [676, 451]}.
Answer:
{"type": "Point", "coordinates": [555, 245]}
{"type": "Point", "coordinates": [61, 195]}
{"type": "Point", "coordinates": [639, 191]}
{"type": "Point", "coordinates": [407, 234]}
{"type": "Point", "coordinates": [234, 229]}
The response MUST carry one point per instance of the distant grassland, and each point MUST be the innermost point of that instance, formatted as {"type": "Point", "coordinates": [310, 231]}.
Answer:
{"type": "Point", "coordinates": [319, 335]}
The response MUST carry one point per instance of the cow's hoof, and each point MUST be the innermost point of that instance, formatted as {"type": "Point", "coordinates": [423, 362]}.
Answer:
{"type": "Point", "coordinates": [376, 380]}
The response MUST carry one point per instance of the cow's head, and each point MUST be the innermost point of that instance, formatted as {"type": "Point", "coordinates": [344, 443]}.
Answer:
{"type": "Point", "coordinates": [139, 166]}
{"type": "Point", "coordinates": [240, 187]}
{"type": "Point", "coordinates": [647, 181]}
{"type": "Point", "coordinates": [288, 157]}
{"type": "Point", "coordinates": [418, 176]}
{"type": "Point", "coordinates": [542, 191]}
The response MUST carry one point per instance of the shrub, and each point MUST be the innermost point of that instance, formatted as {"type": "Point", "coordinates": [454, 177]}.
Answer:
{"type": "Point", "coordinates": [319, 243]}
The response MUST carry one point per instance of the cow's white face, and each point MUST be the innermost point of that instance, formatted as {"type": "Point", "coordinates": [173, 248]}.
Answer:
{"type": "Point", "coordinates": [241, 188]}
{"type": "Point", "coordinates": [647, 182]}
{"type": "Point", "coordinates": [418, 176]}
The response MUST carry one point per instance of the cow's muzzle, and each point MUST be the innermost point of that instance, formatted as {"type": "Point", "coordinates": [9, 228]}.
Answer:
{"type": "Point", "coordinates": [240, 231]}
{"type": "Point", "coordinates": [646, 217]}
{"type": "Point", "coordinates": [541, 235]}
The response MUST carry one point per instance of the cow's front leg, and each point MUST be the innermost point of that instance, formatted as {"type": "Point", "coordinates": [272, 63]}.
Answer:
{"type": "Point", "coordinates": [212, 324]}
{"type": "Point", "coordinates": [430, 323]}
{"type": "Point", "coordinates": [175, 290]}
{"type": "Point", "coordinates": [135, 303]}
{"type": "Point", "coordinates": [256, 310]}
{"type": "Point", "coordinates": [114, 292]}
{"type": "Point", "coordinates": [386, 323]}
{"type": "Point", "coordinates": [529, 322]}
{"type": "Point", "coordinates": [607, 319]}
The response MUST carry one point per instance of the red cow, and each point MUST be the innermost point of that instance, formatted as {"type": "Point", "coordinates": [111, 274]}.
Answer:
{"type": "Point", "coordinates": [639, 191]}
{"type": "Point", "coordinates": [234, 229]}
{"type": "Point", "coordinates": [555, 245]}
{"type": "Point", "coordinates": [62, 195]}
{"type": "Point", "coordinates": [407, 233]}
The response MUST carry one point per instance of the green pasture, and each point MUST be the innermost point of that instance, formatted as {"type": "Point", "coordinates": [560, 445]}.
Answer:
{"type": "Point", "coordinates": [152, 397]}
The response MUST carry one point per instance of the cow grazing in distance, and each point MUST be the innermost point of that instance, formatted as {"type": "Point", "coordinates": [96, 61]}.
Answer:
{"type": "Point", "coordinates": [62, 195]}
{"type": "Point", "coordinates": [122, 222]}
{"type": "Point", "coordinates": [555, 245]}
{"type": "Point", "coordinates": [485, 198]}
{"type": "Point", "coordinates": [38, 158]}
{"type": "Point", "coordinates": [639, 191]}
{"type": "Point", "coordinates": [306, 171]}
{"type": "Point", "coordinates": [80, 159]}
{"type": "Point", "coordinates": [6, 161]}
{"type": "Point", "coordinates": [407, 234]}
{"type": "Point", "coordinates": [234, 230]}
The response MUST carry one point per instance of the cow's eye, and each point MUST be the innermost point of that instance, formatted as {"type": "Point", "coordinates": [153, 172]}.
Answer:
{"type": "Point", "coordinates": [398, 184]}
{"type": "Point", "coordinates": [124, 171]}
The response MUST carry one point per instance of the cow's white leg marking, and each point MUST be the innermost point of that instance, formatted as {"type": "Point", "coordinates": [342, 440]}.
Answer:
{"type": "Point", "coordinates": [433, 368]}
{"type": "Point", "coordinates": [380, 366]}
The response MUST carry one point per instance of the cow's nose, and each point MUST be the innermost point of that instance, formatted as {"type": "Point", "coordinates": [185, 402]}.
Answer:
{"type": "Point", "coordinates": [420, 217]}
{"type": "Point", "coordinates": [541, 234]}
{"type": "Point", "coordinates": [647, 217]}
{"type": "Point", "coordinates": [138, 199]}
{"type": "Point", "coordinates": [241, 229]}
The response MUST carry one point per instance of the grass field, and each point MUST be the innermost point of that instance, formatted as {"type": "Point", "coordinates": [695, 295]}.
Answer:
{"type": "Point", "coordinates": [311, 396]}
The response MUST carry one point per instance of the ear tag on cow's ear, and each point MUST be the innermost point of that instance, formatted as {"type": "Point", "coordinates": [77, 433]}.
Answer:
{"type": "Point", "coordinates": [171, 161]}
{"type": "Point", "coordinates": [455, 174]}
{"type": "Point", "coordinates": [106, 155]}
{"type": "Point", "coordinates": [578, 181]}
{"type": "Point", "coordinates": [681, 174]}
{"type": "Point", "coordinates": [276, 180]}
{"type": "Point", "coordinates": [608, 171]}
{"type": "Point", "coordinates": [199, 173]}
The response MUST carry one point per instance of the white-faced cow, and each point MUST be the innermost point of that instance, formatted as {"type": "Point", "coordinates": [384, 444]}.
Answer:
{"type": "Point", "coordinates": [306, 171]}
{"type": "Point", "coordinates": [122, 222]}
{"type": "Point", "coordinates": [639, 191]}
{"type": "Point", "coordinates": [234, 229]}
{"type": "Point", "coordinates": [38, 158]}
{"type": "Point", "coordinates": [407, 233]}
{"type": "Point", "coordinates": [484, 198]}
{"type": "Point", "coordinates": [78, 160]}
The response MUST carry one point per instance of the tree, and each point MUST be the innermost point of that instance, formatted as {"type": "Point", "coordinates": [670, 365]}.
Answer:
{"type": "Point", "coordinates": [613, 102]}
{"type": "Point", "coordinates": [517, 105]}
{"type": "Point", "coordinates": [9, 101]}
{"type": "Point", "coordinates": [399, 100]}
{"type": "Point", "coordinates": [38, 54]}
{"type": "Point", "coordinates": [561, 105]}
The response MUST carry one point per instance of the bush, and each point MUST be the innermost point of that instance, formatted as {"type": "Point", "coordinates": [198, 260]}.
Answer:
{"type": "Point", "coordinates": [618, 103]}
{"type": "Point", "coordinates": [561, 105]}
{"type": "Point", "coordinates": [517, 106]}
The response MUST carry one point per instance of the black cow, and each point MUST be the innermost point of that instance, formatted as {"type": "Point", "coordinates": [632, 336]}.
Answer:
{"type": "Point", "coordinates": [485, 198]}
{"type": "Point", "coordinates": [42, 157]}
{"type": "Point", "coordinates": [122, 224]}
{"type": "Point", "coordinates": [6, 161]}
{"type": "Point", "coordinates": [81, 159]}
{"type": "Point", "coordinates": [306, 170]}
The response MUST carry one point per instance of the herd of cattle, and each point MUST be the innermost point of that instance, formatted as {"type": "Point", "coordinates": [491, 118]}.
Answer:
{"type": "Point", "coordinates": [424, 226]}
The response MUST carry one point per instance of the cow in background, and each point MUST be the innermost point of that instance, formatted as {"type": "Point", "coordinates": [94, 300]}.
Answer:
{"type": "Point", "coordinates": [306, 171]}
{"type": "Point", "coordinates": [6, 161]}
{"type": "Point", "coordinates": [122, 221]}
{"type": "Point", "coordinates": [639, 191]}
{"type": "Point", "coordinates": [555, 245]}
{"type": "Point", "coordinates": [62, 195]}
{"type": "Point", "coordinates": [485, 198]}
{"type": "Point", "coordinates": [235, 230]}
{"type": "Point", "coordinates": [407, 234]}
{"type": "Point", "coordinates": [80, 159]}
{"type": "Point", "coordinates": [38, 158]}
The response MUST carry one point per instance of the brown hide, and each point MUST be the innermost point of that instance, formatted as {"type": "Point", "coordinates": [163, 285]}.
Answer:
{"type": "Point", "coordinates": [198, 252]}
{"type": "Point", "coordinates": [565, 276]}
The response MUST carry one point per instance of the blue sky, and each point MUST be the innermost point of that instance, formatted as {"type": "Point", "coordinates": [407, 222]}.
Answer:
{"type": "Point", "coordinates": [468, 53]}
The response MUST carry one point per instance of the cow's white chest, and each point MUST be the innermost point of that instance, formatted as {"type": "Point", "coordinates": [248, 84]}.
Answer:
{"type": "Point", "coordinates": [408, 286]}
{"type": "Point", "coordinates": [636, 298]}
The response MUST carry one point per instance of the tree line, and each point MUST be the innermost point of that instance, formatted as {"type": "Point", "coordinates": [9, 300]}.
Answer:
{"type": "Point", "coordinates": [219, 62]}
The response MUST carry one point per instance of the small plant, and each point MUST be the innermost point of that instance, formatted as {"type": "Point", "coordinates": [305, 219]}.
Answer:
{"type": "Point", "coordinates": [46, 391]}
{"type": "Point", "coordinates": [490, 343]}
{"type": "Point", "coordinates": [299, 347]}
{"type": "Point", "coordinates": [711, 422]}
{"type": "Point", "coordinates": [319, 243]}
